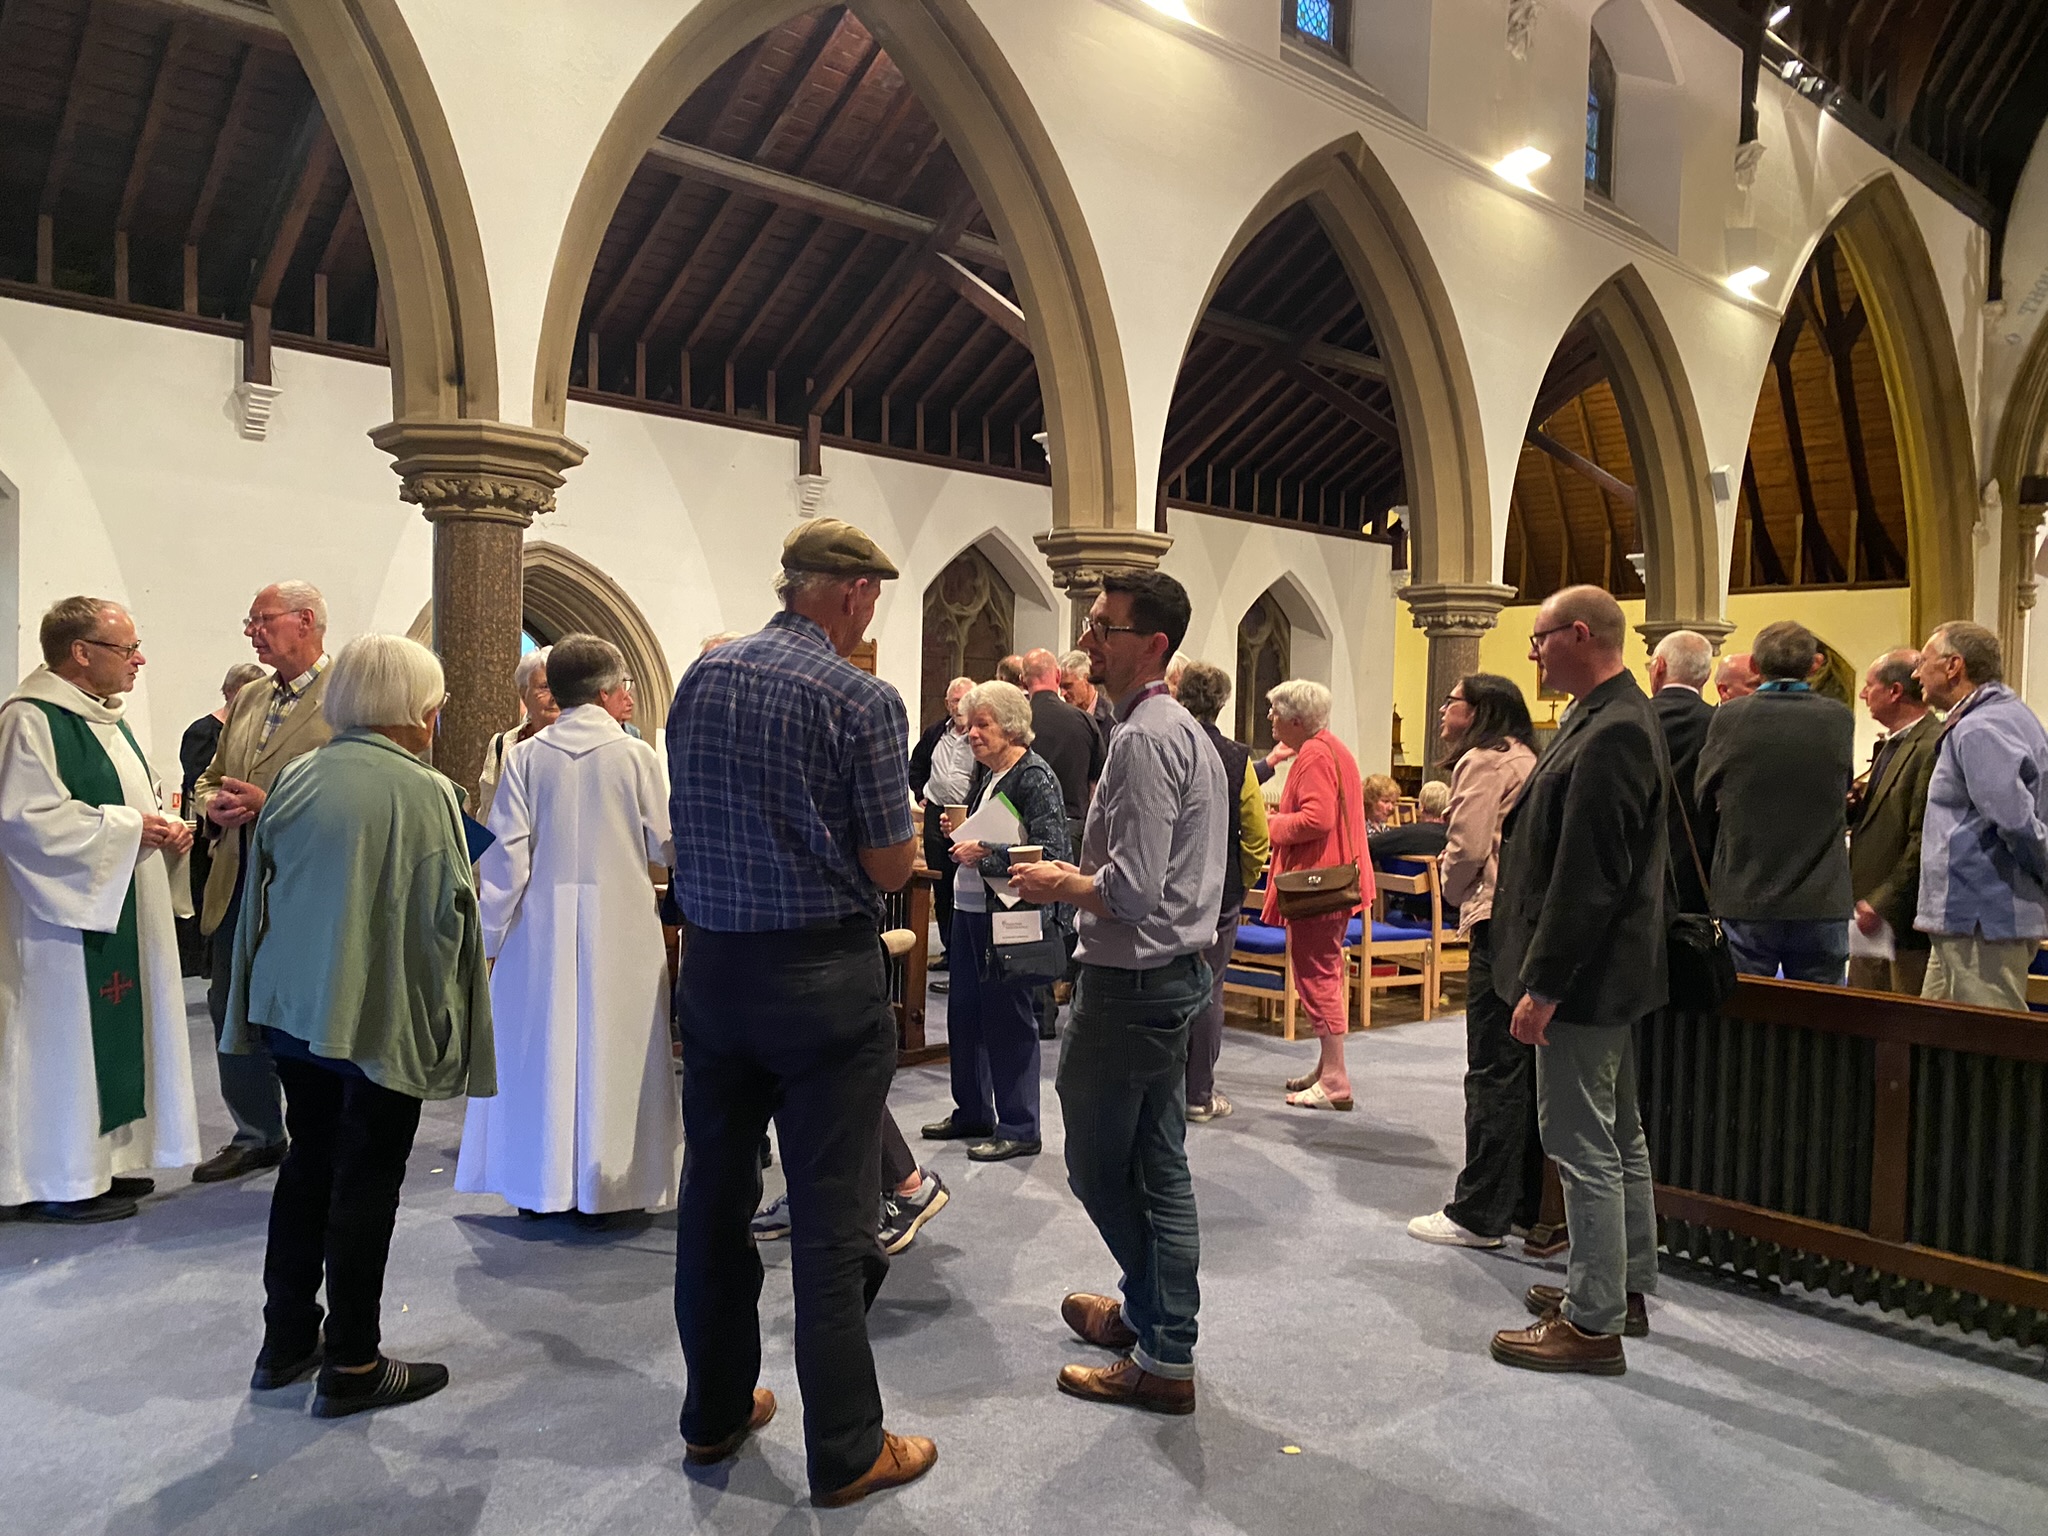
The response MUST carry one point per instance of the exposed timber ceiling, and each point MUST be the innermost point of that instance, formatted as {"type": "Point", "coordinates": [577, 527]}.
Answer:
{"type": "Point", "coordinates": [171, 161]}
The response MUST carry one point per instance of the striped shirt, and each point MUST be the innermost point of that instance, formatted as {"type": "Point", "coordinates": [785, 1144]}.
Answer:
{"type": "Point", "coordinates": [785, 760]}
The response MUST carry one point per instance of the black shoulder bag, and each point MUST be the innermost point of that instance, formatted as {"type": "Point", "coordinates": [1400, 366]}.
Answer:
{"type": "Point", "coordinates": [1702, 971]}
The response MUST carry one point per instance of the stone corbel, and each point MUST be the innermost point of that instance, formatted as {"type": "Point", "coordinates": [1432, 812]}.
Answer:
{"type": "Point", "coordinates": [810, 494]}
{"type": "Point", "coordinates": [1522, 16]}
{"type": "Point", "coordinates": [2030, 515]}
{"type": "Point", "coordinates": [1444, 610]}
{"type": "Point", "coordinates": [1081, 557]}
{"type": "Point", "coordinates": [1653, 631]}
{"type": "Point", "coordinates": [253, 403]}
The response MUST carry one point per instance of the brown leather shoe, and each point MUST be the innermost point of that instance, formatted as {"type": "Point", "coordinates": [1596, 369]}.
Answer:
{"type": "Point", "coordinates": [1545, 1299]}
{"type": "Point", "coordinates": [707, 1455]}
{"type": "Point", "coordinates": [1554, 1344]}
{"type": "Point", "coordinates": [232, 1161]}
{"type": "Point", "coordinates": [1098, 1319]}
{"type": "Point", "coordinates": [1130, 1383]}
{"type": "Point", "coordinates": [904, 1459]}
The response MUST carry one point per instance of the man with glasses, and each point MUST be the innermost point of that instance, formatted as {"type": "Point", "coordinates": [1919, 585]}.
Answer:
{"type": "Point", "coordinates": [1578, 951]}
{"type": "Point", "coordinates": [97, 1073]}
{"type": "Point", "coordinates": [272, 721]}
{"type": "Point", "coordinates": [1148, 887]}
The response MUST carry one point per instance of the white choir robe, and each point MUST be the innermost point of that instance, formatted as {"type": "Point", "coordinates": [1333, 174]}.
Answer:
{"type": "Point", "coordinates": [68, 866]}
{"type": "Point", "coordinates": [586, 1115]}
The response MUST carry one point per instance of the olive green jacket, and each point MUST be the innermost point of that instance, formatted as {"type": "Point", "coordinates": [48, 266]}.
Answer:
{"type": "Point", "coordinates": [359, 931]}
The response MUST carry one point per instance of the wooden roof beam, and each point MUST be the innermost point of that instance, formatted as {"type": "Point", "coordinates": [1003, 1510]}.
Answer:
{"type": "Point", "coordinates": [994, 307]}
{"type": "Point", "coordinates": [225, 143]}
{"type": "Point", "coordinates": [1612, 484]}
{"type": "Point", "coordinates": [255, 24]}
{"type": "Point", "coordinates": [277, 257]}
{"type": "Point", "coordinates": [63, 148]}
{"type": "Point", "coordinates": [152, 126]}
{"type": "Point", "coordinates": [744, 177]}
{"type": "Point", "coordinates": [1257, 333]}
{"type": "Point", "coordinates": [1381, 427]}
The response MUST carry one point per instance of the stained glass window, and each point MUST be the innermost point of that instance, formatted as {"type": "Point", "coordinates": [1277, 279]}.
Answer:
{"type": "Point", "coordinates": [1325, 23]}
{"type": "Point", "coordinates": [1600, 85]}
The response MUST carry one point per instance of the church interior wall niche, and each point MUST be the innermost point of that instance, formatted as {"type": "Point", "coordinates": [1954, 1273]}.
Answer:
{"type": "Point", "coordinates": [969, 622]}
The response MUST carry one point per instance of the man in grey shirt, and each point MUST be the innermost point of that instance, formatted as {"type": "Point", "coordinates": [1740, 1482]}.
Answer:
{"type": "Point", "coordinates": [1148, 885]}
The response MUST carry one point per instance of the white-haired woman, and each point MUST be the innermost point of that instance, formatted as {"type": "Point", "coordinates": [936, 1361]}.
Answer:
{"type": "Point", "coordinates": [530, 677]}
{"type": "Point", "coordinates": [991, 1023]}
{"type": "Point", "coordinates": [1320, 822]}
{"type": "Point", "coordinates": [359, 965]}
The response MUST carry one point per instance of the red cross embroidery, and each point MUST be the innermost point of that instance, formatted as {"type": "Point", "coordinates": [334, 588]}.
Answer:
{"type": "Point", "coordinates": [117, 988]}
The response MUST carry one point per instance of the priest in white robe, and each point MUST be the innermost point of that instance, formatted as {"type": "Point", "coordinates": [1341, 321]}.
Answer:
{"type": "Point", "coordinates": [95, 1061]}
{"type": "Point", "coordinates": [586, 1117]}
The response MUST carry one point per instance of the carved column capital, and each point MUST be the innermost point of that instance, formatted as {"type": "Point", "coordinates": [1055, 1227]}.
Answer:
{"type": "Point", "coordinates": [1446, 609]}
{"type": "Point", "coordinates": [1081, 557]}
{"type": "Point", "coordinates": [483, 471]}
{"type": "Point", "coordinates": [1654, 630]}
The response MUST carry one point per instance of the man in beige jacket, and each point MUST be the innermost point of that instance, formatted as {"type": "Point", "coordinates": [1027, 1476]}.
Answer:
{"type": "Point", "coordinates": [271, 721]}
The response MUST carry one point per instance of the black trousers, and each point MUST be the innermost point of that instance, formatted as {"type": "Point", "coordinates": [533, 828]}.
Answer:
{"type": "Point", "coordinates": [1501, 1184]}
{"type": "Point", "coordinates": [795, 1026]}
{"type": "Point", "coordinates": [938, 856]}
{"type": "Point", "coordinates": [333, 1210]}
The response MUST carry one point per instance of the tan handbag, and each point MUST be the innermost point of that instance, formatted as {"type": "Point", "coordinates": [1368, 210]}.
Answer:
{"type": "Point", "coordinates": [1319, 892]}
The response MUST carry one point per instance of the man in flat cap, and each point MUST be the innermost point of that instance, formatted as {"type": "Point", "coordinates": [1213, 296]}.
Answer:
{"type": "Point", "coordinates": [790, 798]}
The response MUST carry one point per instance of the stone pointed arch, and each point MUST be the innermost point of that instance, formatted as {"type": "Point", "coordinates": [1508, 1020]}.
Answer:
{"type": "Point", "coordinates": [380, 102]}
{"type": "Point", "coordinates": [1435, 404]}
{"type": "Point", "coordinates": [1923, 381]}
{"type": "Point", "coordinates": [959, 74]}
{"type": "Point", "coordinates": [1681, 532]}
{"type": "Point", "coordinates": [562, 593]}
{"type": "Point", "coordinates": [1020, 567]}
{"type": "Point", "coordinates": [2021, 451]}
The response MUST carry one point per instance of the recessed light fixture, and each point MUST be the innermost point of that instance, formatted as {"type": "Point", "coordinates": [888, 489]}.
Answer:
{"type": "Point", "coordinates": [1791, 70]}
{"type": "Point", "coordinates": [1778, 16]}
{"type": "Point", "coordinates": [1745, 281]}
{"type": "Point", "coordinates": [1519, 166]}
{"type": "Point", "coordinates": [1177, 9]}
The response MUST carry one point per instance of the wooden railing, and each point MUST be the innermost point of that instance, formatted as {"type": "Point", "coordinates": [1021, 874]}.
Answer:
{"type": "Point", "coordinates": [1882, 1148]}
{"type": "Point", "coordinates": [911, 908]}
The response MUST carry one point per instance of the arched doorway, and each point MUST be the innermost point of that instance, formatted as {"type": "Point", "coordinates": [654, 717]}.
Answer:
{"type": "Point", "coordinates": [969, 622]}
{"type": "Point", "coordinates": [1060, 311]}
{"type": "Point", "coordinates": [1613, 470]}
{"type": "Point", "coordinates": [562, 593]}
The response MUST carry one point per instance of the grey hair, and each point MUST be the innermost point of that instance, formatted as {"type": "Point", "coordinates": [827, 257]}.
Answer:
{"type": "Point", "coordinates": [71, 620]}
{"type": "Point", "coordinates": [1075, 665]}
{"type": "Point", "coordinates": [1302, 702]}
{"type": "Point", "coordinates": [1978, 647]}
{"type": "Point", "coordinates": [1176, 665]}
{"type": "Point", "coordinates": [240, 676]}
{"type": "Point", "coordinates": [964, 683]}
{"type": "Point", "coordinates": [383, 680]}
{"type": "Point", "coordinates": [1900, 669]}
{"type": "Point", "coordinates": [1008, 705]}
{"type": "Point", "coordinates": [723, 637]}
{"type": "Point", "coordinates": [303, 596]}
{"type": "Point", "coordinates": [794, 586]}
{"type": "Point", "coordinates": [580, 667]}
{"type": "Point", "coordinates": [1435, 798]}
{"type": "Point", "coordinates": [1688, 657]}
{"type": "Point", "coordinates": [530, 663]}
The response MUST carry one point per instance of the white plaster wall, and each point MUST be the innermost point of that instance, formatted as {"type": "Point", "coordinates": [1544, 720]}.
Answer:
{"type": "Point", "coordinates": [132, 482]}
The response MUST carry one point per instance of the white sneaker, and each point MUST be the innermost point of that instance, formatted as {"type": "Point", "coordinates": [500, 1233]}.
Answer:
{"type": "Point", "coordinates": [1436, 1227]}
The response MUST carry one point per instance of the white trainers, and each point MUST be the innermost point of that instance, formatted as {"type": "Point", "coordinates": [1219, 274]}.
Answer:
{"type": "Point", "coordinates": [1436, 1227]}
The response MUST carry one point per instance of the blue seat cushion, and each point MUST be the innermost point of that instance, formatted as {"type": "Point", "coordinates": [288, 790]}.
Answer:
{"type": "Point", "coordinates": [1386, 933]}
{"type": "Point", "coordinates": [1265, 981]}
{"type": "Point", "coordinates": [1261, 939]}
{"type": "Point", "coordinates": [1405, 867]}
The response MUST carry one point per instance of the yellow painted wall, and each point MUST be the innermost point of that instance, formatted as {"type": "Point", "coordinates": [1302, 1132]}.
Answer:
{"type": "Point", "coordinates": [1861, 625]}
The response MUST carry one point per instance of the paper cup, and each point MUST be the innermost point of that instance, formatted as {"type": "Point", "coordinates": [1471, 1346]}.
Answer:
{"type": "Point", "coordinates": [1025, 853]}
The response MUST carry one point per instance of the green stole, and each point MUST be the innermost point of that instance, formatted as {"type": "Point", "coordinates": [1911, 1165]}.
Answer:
{"type": "Point", "coordinates": [113, 961]}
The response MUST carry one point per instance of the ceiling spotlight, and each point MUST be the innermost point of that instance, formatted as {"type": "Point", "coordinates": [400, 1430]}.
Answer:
{"type": "Point", "coordinates": [1519, 166]}
{"type": "Point", "coordinates": [1745, 281]}
{"type": "Point", "coordinates": [1791, 70]}
{"type": "Point", "coordinates": [1778, 16]}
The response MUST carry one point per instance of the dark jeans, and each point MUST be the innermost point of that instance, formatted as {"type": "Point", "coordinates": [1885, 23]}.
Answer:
{"type": "Point", "coordinates": [992, 1035]}
{"type": "Point", "coordinates": [938, 856]}
{"type": "Point", "coordinates": [794, 1025]}
{"type": "Point", "coordinates": [1122, 1081]}
{"type": "Point", "coordinates": [1205, 1033]}
{"type": "Point", "coordinates": [898, 1161]}
{"type": "Point", "coordinates": [248, 1083]}
{"type": "Point", "coordinates": [1501, 1184]}
{"type": "Point", "coordinates": [1805, 951]}
{"type": "Point", "coordinates": [333, 1210]}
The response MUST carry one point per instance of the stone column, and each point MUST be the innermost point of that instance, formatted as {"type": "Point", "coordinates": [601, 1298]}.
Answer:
{"type": "Point", "coordinates": [1080, 557]}
{"type": "Point", "coordinates": [2025, 589]}
{"type": "Point", "coordinates": [479, 483]}
{"type": "Point", "coordinates": [1654, 630]}
{"type": "Point", "coordinates": [1453, 615]}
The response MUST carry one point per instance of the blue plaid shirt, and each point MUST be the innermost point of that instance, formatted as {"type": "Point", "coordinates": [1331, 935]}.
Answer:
{"type": "Point", "coordinates": [784, 761]}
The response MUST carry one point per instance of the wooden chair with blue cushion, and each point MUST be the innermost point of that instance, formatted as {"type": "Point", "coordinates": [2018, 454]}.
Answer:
{"type": "Point", "coordinates": [1406, 947]}
{"type": "Point", "coordinates": [1262, 964]}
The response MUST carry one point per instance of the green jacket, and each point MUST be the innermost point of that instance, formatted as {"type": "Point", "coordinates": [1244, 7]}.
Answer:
{"type": "Point", "coordinates": [359, 931]}
{"type": "Point", "coordinates": [1884, 840]}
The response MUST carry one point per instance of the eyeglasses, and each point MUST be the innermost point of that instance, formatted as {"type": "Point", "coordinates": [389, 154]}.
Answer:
{"type": "Point", "coordinates": [1102, 631]}
{"type": "Point", "coordinates": [127, 652]}
{"type": "Point", "coordinates": [258, 620]}
{"type": "Point", "coordinates": [1538, 636]}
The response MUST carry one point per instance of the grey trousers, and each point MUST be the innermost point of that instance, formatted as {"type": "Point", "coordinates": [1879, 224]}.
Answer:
{"type": "Point", "coordinates": [1586, 1108]}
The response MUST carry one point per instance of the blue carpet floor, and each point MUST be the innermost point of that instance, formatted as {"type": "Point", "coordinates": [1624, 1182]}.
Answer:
{"type": "Point", "coordinates": [1344, 1376]}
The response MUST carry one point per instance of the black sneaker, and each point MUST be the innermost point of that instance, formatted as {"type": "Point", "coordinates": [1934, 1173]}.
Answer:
{"type": "Point", "coordinates": [281, 1368]}
{"type": "Point", "coordinates": [902, 1215]}
{"type": "Point", "coordinates": [131, 1187]}
{"type": "Point", "coordinates": [391, 1383]}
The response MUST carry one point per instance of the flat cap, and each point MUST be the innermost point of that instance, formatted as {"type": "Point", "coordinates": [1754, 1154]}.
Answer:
{"type": "Point", "coordinates": [829, 547]}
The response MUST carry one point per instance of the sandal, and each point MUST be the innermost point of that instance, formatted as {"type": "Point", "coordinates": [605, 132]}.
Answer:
{"type": "Point", "coordinates": [1313, 1097]}
{"type": "Point", "coordinates": [1303, 1083]}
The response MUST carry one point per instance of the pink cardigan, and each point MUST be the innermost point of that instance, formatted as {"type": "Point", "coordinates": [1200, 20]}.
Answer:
{"type": "Point", "coordinates": [1484, 787]}
{"type": "Point", "coordinates": [1307, 832]}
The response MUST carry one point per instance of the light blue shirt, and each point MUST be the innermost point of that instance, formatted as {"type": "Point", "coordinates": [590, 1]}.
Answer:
{"type": "Point", "coordinates": [1984, 843]}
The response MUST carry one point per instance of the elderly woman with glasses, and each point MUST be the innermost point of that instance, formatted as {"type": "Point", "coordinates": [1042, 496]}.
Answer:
{"type": "Point", "coordinates": [991, 1021]}
{"type": "Point", "coordinates": [1321, 822]}
{"type": "Point", "coordinates": [530, 677]}
{"type": "Point", "coordinates": [359, 966]}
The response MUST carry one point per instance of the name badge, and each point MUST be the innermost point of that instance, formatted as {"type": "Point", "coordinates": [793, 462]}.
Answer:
{"type": "Point", "coordinates": [1025, 927]}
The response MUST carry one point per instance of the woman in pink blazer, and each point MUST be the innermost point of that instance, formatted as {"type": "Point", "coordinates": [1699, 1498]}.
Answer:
{"type": "Point", "coordinates": [1321, 821]}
